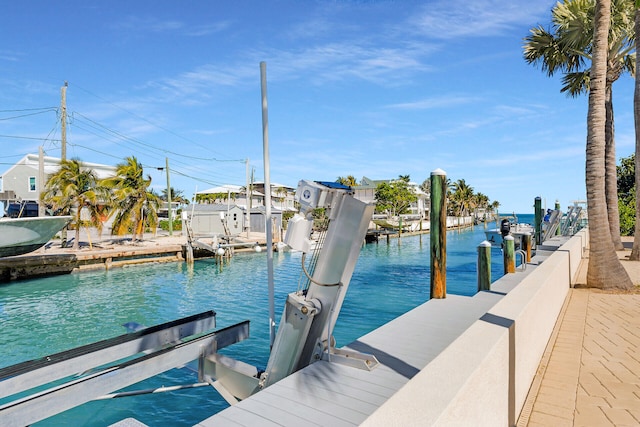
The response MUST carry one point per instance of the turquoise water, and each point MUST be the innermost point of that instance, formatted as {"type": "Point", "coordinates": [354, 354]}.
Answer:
{"type": "Point", "coordinates": [45, 316]}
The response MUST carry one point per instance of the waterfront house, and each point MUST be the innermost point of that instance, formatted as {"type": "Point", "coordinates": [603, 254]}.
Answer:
{"type": "Point", "coordinates": [21, 183]}
{"type": "Point", "coordinates": [366, 192]}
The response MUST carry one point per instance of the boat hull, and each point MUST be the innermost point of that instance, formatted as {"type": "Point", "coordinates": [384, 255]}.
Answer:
{"type": "Point", "coordinates": [20, 236]}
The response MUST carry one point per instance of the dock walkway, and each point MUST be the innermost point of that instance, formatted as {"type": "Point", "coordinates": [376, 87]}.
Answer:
{"type": "Point", "coordinates": [590, 373]}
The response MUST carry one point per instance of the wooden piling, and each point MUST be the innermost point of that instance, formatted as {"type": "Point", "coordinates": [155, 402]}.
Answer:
{"type": "Point", "coordinates": [484, 266]}
{"type": "Point", "coordinates": [526, 245]}
{"type": "Point", "coordinates": [509, 254]}
{"type": "Point", "coordinates": [557, 207]}
{"type": "Point", "coordinates": [538, 219]}
{"type": "Point", "coordinates": [438, 230]}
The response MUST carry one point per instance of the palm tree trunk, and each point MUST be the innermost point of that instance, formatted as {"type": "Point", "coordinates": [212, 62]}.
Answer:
{"type": "Point", "coordinates": [76, 242]}
{"type": "Point", "coordinates": [635, 252]}
{"type": "Point", "coordinates": [604, 268]}
{"type": "Point", "coordinates": [611, 176]}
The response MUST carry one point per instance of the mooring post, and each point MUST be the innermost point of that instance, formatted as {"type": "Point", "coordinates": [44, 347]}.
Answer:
{"type": "Point", "coordinates": [509, 251]}
{"type": "Point", "coordinates": [526, 245]}
{"type": "Point", "coordinates": [538, 219]}
{"type": "Point", "coordinates": [484, 266]}
{"type": "Point", "coordinates": [438, 230]}
{"type": "Point", "coordinates": [557, 207]}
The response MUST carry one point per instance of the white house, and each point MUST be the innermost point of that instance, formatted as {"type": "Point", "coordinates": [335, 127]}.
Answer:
{"type": "Point", "coordinates": [21, 183]}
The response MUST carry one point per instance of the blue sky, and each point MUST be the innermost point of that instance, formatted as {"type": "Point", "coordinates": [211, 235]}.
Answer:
{"type": "Point", "coordinates": [363, 88]}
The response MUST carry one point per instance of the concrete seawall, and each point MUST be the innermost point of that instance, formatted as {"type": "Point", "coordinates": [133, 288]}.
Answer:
{"type": "Point", "coordinates": [483, 377]}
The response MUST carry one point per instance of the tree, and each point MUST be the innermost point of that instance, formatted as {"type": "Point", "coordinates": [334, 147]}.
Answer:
{"type": "Point", "coordinates": [135, 205]}
{"type": "Point", "coordinates": [604, 269]}
{"type": "Point", "coordinates": [176, 196]}
{"type": "Point", "coordinates": [568, 49]}
{"type": "Point", "coordinates": [395, 197]}
{"type": "Point", "coordinates": [635, 251]}
{"type": "Point", "coordinates": [73, 190]}
{"type": "Point", "coordinates": [349, 180]}
{"type": "Point", "coordinates": [462, 198]}
{"type": "Point", "coordinates": [627, 195]}
{"type": "Point", "coordinates": [426, 186]}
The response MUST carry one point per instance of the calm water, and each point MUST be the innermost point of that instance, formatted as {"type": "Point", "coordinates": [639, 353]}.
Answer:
{"type": "Point", "coordinates": [44, 316]}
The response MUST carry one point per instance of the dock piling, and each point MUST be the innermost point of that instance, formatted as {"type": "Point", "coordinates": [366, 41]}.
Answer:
{"type": "Point", "coordinates": [509, 254]}
{"type": "Point", "coordinates": [484, 266]}
{"type": "Point", "coordinates": [438, 230]}
{"type": "Point", "coordinates": [538, 219]}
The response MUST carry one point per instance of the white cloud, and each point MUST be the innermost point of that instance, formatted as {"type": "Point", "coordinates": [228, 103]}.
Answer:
{"type": "Point", "coordinates": [477, 18]}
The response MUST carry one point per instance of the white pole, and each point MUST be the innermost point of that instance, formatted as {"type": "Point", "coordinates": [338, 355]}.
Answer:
{"type": "Point", "coordinates": [267, 199]}
{"type": "Point", "coordinates": [248, 219]}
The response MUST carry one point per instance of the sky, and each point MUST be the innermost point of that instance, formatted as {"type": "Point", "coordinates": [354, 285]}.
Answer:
{"type": "Point", "coordinates": [371, 89]}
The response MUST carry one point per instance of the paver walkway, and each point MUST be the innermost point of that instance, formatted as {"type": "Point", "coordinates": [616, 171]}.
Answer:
{"type": "Point", "coordinates": [590, 374]}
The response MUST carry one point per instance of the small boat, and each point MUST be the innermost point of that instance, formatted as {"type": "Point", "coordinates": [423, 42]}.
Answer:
{"type": "Point", "coordinates": [507, 227]}
{"type": "Point", "coordinates": [23, 235]}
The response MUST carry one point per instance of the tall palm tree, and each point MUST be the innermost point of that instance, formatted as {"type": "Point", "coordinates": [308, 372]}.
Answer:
{"type": "Point", "coordinates": [134, 204]}
{"type": "Point", "coordinates": [73, 190]}
{"type": "Point", "coordinates": [604, 269]}
{"type": "Point", "coordinates": [463, 197]}
{"type": "Point", "coordinates": [568, 49]}
{"type": "Point", "coordinates": [635, 251]}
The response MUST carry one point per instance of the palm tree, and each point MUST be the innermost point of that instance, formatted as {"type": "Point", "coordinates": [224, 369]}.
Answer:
{"type": "Point", "coordinates": [135, 205]}
{"type": "Point", "coordinates": [462, 197]}
{"type": "Point", "coordinates": [635, 251]}
{"type": "Point", "coordinates": [73, 190]}
{"type": "Point", "coordinates": [569, 49]}
{"type": "Point", "coordinates": [349, 180]}
{"type": "Point", "coordinates": [604, 269]}
{"type": "Point", "coordinates": [176, 196]}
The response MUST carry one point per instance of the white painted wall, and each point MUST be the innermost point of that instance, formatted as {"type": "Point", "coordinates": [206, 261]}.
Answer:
{"type": "Point", "coordinates": [483, 377]}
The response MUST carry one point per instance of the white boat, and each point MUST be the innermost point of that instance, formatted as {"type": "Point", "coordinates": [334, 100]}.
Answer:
{"type": "Point", "coordinates": [516, 229]}
{"type": "Point", "coordinates": [23, 235]}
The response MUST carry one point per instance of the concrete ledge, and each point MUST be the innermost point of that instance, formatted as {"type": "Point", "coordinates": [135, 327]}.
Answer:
{"type": "Point", "coordinates": [483, 377]}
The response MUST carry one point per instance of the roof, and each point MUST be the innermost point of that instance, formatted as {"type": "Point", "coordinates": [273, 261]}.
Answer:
{"type": "Point", "coordinates": [226, 188]}
{"type": "Point", "coordinates": [52, 164]}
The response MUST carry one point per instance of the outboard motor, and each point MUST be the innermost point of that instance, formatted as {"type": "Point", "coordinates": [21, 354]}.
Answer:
{"type": "Point", "coordinates": [505, 227]}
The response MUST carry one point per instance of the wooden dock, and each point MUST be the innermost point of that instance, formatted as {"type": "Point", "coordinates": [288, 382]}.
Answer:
{"type": "Point", "coordinates": [44, 263]}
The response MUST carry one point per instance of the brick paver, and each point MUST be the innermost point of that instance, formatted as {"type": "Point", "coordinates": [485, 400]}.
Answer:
{"type": "Point", "coordinates": [590, 375]}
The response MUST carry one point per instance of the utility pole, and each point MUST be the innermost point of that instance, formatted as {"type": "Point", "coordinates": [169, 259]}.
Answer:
{"type": "Point", "coordinates": [169, 199]}
{"type": "Point", "coordinates": [63, 118]}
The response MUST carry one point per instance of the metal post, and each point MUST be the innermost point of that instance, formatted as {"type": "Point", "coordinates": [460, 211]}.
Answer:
{"type": "Point", "coordinates": [484, 266]}
{"type": "Point", "coordinates": [267, 200]}
{"type": "Point", "coordinates": [40, 182]}
{"type": "Point", "coordinates": [438, 240]}
{"type": "Point", "coordinates": [509, 254]}
{"type": "Point", "coordinates": [169, 199]}
{"type": "Point", "coordinates": [538, 219]}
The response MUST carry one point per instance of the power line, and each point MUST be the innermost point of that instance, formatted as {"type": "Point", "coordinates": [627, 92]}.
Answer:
{"type": "Point", "coordinates": [147, 145]}
{"type": "Point", "coordinates": [142, 118]}
{"type": "Point", "coordinates": [29, 137]}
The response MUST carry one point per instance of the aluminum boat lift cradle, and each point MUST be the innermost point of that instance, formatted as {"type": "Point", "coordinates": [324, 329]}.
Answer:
{"type": "Point", "coordinates": [305, 331]}
{"type": "Point", "coordinates": [35, 390]}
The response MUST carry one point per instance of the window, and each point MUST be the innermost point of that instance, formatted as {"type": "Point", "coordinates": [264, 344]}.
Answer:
{"type": "Point", "coordinates": [32, 183]}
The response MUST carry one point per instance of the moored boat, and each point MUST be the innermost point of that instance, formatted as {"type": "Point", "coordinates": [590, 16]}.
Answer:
{"type": "Point", "coordinates": [19, 236]}
{"type": "Point", "coordinates": [509, 226]}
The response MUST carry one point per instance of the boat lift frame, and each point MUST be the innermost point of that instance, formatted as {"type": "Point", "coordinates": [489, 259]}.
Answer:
{"type": "Point", "coordinates": [85, 373]}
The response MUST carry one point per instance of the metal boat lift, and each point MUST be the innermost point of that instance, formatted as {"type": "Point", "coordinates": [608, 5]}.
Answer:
{"type": "Point", "coordinates": [34, 390]}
